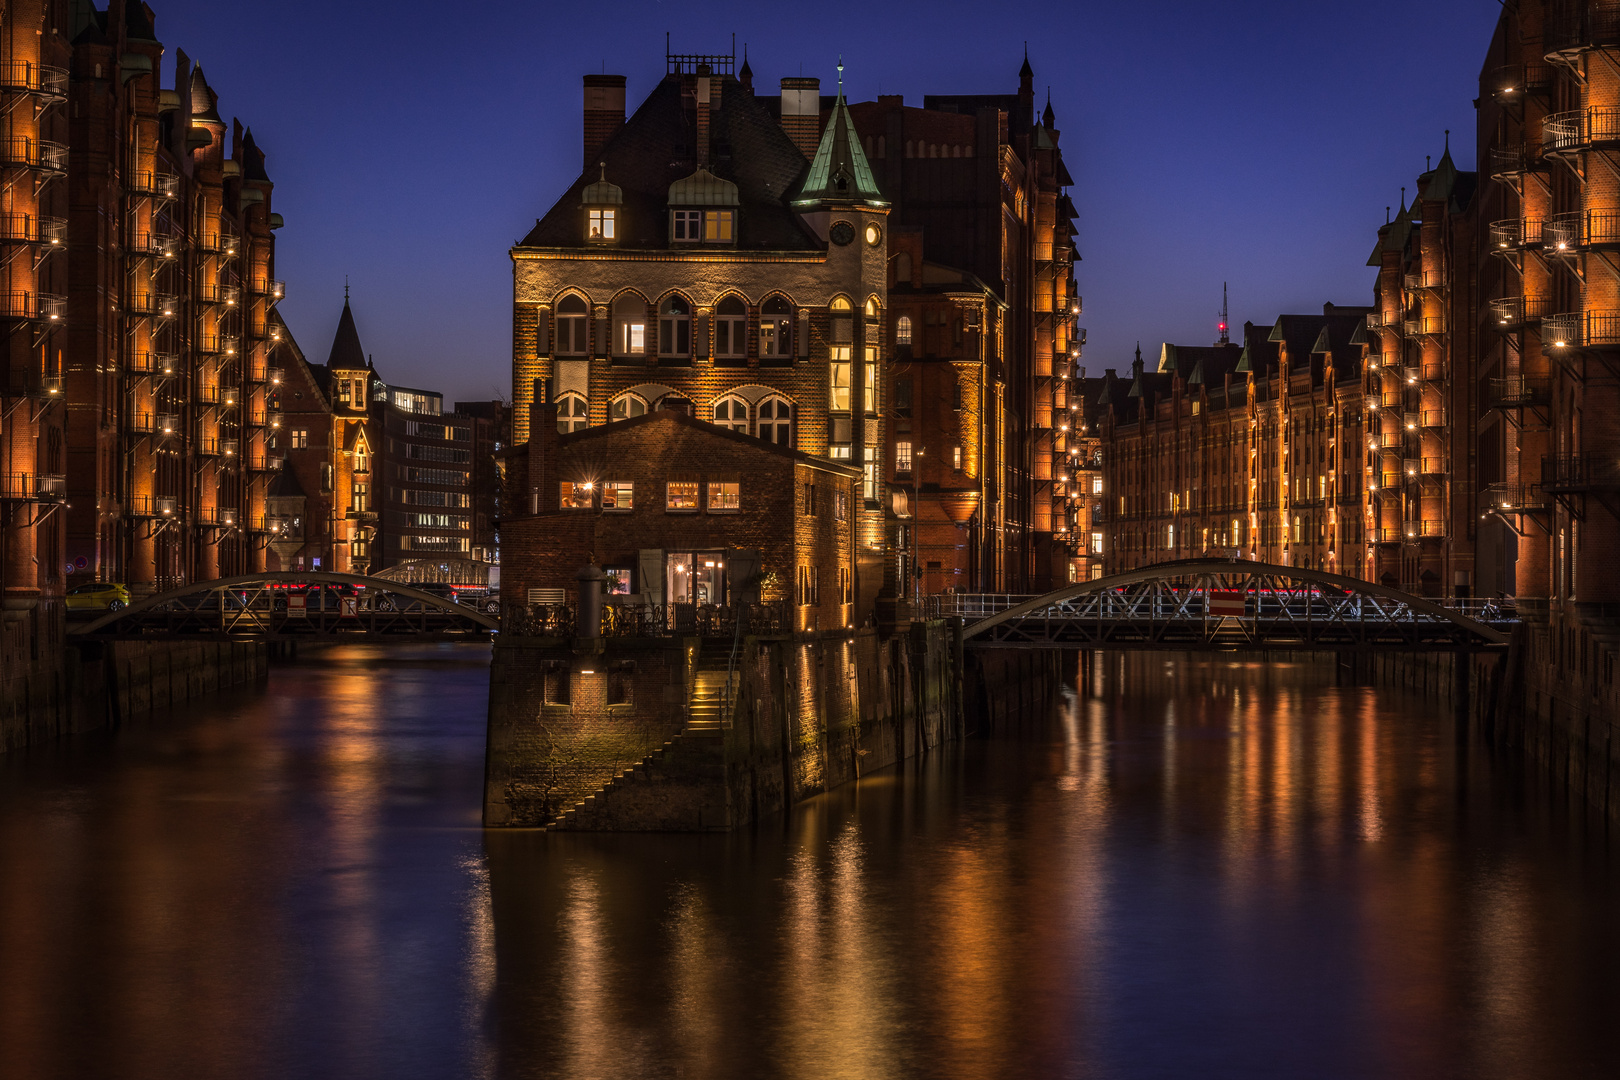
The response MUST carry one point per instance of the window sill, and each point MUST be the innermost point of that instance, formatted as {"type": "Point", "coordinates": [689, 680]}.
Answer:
{"type": "Point", "coordinates": [618, 509]}
{"type": "Point", "coordinates": [735, 510]}
{"type": "Point", "coordinates": [680, 510]}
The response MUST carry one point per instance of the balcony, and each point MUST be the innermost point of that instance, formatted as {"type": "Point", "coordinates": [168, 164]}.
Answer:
{"type": "Point", "coordinates": [1561, 331]}
{"type": "Point", "coordinates": [1411, 467]}
{"type": "Point", "coordinates": [33, 229]}
{"type": "Point", "coordinates": [1574, 473]}
{"type": "Point", "coordinates": [1424, 324]}
{"type": "Point", "coordinates": [204, 446]}
{"type": "Point", "coordinates": [1511, 234]}
{"type": "Point", "coordinates": [1507, 163]}
{"type": "Point", "coordinates": [1561, 235]}
{"type": "Point", "coordinates": [1509, 84]}
{"type": "Point", "coordinates": [228, 447]}
{"type": "Point", "coordinates": [221, 241]}
{"type": "Point", "coordinates": [1572, 27]}
{"type": "Point", "coordinates": [218, 344]}
{"type": "Point", "coordinates": [1509, 312]}
{"type": "Point", "coordinates": [40, 155]}
{"type": "Point", "coordinates": [152, 506]}
{"type": "Point", "coordinates": [156, 185]}
{"type": "Point", "coordinates": [1432, 528]}
{"type": "Point", "coordinates": [168, 424]}
{"type": "Point", "coordinates": [1517, 391]}
{"type": "Point", "coordinates": [1411, 374]}
{"type": "Point", "coordinates": [1510, 498]}
{"type": "Point", "coordinates": [33, 487]}
{"type": "Point", "coordinates": [1433, 466]}
{"type": "Point", "coordinates": [1392, 399]}
{"type": "Point", "coordinates": [153, 304]}
{"type": "Point", "coordinates": [207, 395]}
{"type": "Point", "coordinates": [140, 423]}
{"type": "Point", "coordinates": [159, 243]}
{"type": "Point", "coordinates": [259, 461]}
{"type": "Point", "coordinates": [1387, 536]}
{"type": "Point", "coordinates": [1433, 418]}
{"type": "Point", "coordinates": [1580, 129]}
{"type": "Point", "coordinates": [1391, 440]}
{"type": "Point", "coordinates": [218, 294]}
{"type": "Point", "coordinates": [41, 80]}
{"type": "Point", "coordinates": [44, 307]}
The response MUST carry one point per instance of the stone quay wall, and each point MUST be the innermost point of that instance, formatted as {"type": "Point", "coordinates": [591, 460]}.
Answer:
{"type": "Point", "coordinates": [810, 712]}
{"type": "Point", "coordinates": [93, 685]}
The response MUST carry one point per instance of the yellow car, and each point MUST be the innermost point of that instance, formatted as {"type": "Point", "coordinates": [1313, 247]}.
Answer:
{"type": "Point", "coordinates": [97, 596]}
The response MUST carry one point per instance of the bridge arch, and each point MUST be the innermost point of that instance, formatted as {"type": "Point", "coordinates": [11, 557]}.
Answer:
{"type": "Point", "coordinates": [1390, 606]}
{"type": "Point", "coordinates": [248, 617]}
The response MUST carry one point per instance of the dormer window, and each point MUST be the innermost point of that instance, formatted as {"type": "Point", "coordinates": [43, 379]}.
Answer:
{"type": "Point", "coordinates": [688, 226]}
{"type": "Point", "coordinates": [601, 202]}
{"type": "Point", "coordinates": [717, 226]}
{"type": "Point", "coordinates": [702, 210]}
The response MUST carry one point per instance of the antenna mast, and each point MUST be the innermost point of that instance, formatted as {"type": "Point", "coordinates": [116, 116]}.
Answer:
{"type": "Point", "coordinates": [1226, 336]}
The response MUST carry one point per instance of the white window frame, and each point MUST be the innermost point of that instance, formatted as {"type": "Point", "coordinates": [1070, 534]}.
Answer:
{"type": "Point", "coordinates": [573, 412]}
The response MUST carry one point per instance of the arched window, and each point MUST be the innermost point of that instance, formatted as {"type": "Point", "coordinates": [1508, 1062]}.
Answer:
{"type": "Point", "coordinates": [870, 146]}
{"type": "Point", "coordinates": [675, 327]}
{"type": "Point", "coordinates": [872, 309]}
{"type": "Point", "coordinates": [731, 412]}
{"type": "Point", "coordinates": [625, 406]}
{"type": "Point", "coordinates": [956, 151]}
{"type": "Point", "coordinates": [731, 328]}
{"type": "Point", "coordinates": [630, 326]}
{"type": "Point", "coordinates": [776, 328]}
{"type": "Point", "coordinates": [883, 149]}
{"type": "Point", "coordinates": [911, 148]}
{"type": "Point", "coordinates": [571, 321]}
{"type": "Point", "coordinates": [902, 330]}
{"type": "Point", "coordinates": [573, 413]}
{"type": "Point", "coordinates": [776, 421]}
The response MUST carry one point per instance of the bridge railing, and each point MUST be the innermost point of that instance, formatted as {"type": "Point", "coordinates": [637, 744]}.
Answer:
{"type": "Point", "coordinates": [653, 620]}
{"type": "Point", "coordinates": [1193, 603]}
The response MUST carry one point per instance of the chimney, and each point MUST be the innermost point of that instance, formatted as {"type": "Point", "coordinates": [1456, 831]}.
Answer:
{"type": "Point", "coordinates": [604, 112]}
{"type": "Point", "coordinates": [801, 113]}
{"type": "Point", "coordinates": [701, 93]}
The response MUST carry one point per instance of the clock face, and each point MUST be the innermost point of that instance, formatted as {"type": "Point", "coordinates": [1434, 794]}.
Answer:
{"type": "Point", "coordinates": [841, 233]}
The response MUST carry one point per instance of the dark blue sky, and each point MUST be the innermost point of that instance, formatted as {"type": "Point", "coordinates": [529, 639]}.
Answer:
{"type": "Point", "coordinates": [1256, 142]}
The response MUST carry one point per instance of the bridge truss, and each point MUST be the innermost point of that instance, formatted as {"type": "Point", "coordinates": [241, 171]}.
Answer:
{"type": "Point", "coordinates": [295, 604]}
{"type": "Point", "coordinates": [1207, 604]}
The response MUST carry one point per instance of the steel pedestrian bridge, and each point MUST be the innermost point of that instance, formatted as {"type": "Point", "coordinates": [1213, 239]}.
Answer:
{"type": "Point", "coordinates": [295, 604]}
{"type": "Point", "coordinates": [1217, 604]}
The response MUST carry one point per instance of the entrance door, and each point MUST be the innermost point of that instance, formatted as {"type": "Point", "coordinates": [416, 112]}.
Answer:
{"type": "Point", "coordinates": [695, 577]}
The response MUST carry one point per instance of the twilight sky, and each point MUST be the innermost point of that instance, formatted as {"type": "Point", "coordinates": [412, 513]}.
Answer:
{"type": "Point", "coordinates": [1252, 141]}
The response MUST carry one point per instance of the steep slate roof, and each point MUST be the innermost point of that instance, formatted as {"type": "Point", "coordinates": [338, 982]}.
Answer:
{"type": "Point", "coordinates": [654, 150]}
{"type": "Point", "coordinates": [285, 485]}
{"type": "Point", "coordinates": [671, 416]}
{"type": "Point", "coordinates": [346, 351]}
{"type": "Point", "coordinates": [1302, 335]}
{"type": "Point", "coordinates": [839, 172]}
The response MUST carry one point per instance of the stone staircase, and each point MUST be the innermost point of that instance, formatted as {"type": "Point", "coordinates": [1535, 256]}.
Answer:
{"type": "Point", "coordinates": [653, 791]}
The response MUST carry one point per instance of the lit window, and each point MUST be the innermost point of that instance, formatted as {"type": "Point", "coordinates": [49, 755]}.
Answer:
{"type": "Point", "coordinates": [571, 339]}
{"type": "Point", "coordinates": [869, 388]}
{"type": "Point", "coordinates": [681, 493]}
{"type": "Point", "coordinates": [343, 392]}
{"type": "Point", "coordinates": [838, 382]}
{"type": "Point", "coordinates": [731, 328]}
{"type": "Point", "coordinates": [717, 226]}
{"type": "Point", "coordinates": [599, 224]}
{"type": "Point", "coordinates": [956, 458]}
{"type": "Point", "coordinates": [575, 495]}
{"type": "Point", "coordinates": [776, 421]}
{"type": "Point", "coordinates": [869, 480]}
{"type": "Point", "coordinates": [675, 327]}
{"type": "Point", "coordinates": [846, 586]}
{"type": "Point", "coordinates": [618, 495]}
{"type": "Point", "coordinates": [300, 438]}
{"type": "Point", "coordinates": [573, 414]}
{"type": "Point", "coordinates": [724, 496]}
{"type": "Point", "coordinates": [1096, 485]}
{"type": "Point", "coordinates": [902, 457]}
{"type": "Point", "coordinates": [627, 405]}
{"type": "Point", "coordinates": [731, 413]}
{"type": "Point", "coordinates": [902, 330]}
{"type": "Point", "coordinates": [1096, 543]}
{"type": "Point", "coordinates": [776, 328]}
{"type": "Point", "coordinates": [630, 326]}
{"type": "Point", "coordinates": [688, 225]}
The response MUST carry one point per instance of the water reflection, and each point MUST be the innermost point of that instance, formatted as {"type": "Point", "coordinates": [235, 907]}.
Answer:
{"type": "Point", "coordinates": [1208, 868]}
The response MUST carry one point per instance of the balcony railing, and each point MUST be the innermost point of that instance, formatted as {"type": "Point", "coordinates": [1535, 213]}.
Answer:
{"type": "Point", "coordinates": [1573, 25]}
{"type": "Point", "coordinates": [1511, 234]}
{"type": "Point", "coordinates": [140, 423]}
{"type": "Point", "coordinates": [168, 424]}
{"type": "Point", "coordinates": [218, 294]}
{"type": "Point", "coordinates": [1432, 528]}
{"type": "Point", "coordinates": [218, 344]}
{"type": "Point", "coordinates": [33, 229]}
{"type": "Point", "coordinates": [1566, 132]}
{"type": "Point", "coordinates": [27, 77]}
{"type": "Point", "coordinates": [1561, 234]}
{"type": "Point", "coordinates": [1392, 399]}
{"type": "Point", "coordinates": [205, 446]}
{"type": "Point", "coordinates": [1562, 473]}
{"type": "Point", "coordinates": [33, 487]}
{"type": "Point", "coordinates": [1389, 440]}
{"type": "Point", "coordinates": [1514, 498]}
{"type": "Point", "coordinates": [1433, 466]}
{"type": "Point", "coordinates": [156, 305]}
{"type": "Point", "coordinates": [1510, 311]}
{"type": "Point", "coordinates": [1506, 161]}
{"type": "Point", "coordinates": [159, 185]}
{"type": "Point", "coordinates": [1561, 331]}
{"type": "Point", "coordinates": [46, 307]}
{"type": "Point", "coordinates": [163, 243]}
{"type": "Point", "coordinates": [152, 506]}
{"type": "Point", "coordinates": [1515, 391]}
{"type": "Point", "coordinates": [1434, 418]}
{"type": "Point", "coordinates": [41, 155]}
{"type": "Point", "coordinates": [1602, 228]}
{"type": "Point", "coordinates": [1511, 83]}
{"type": "Point", "coordinates": [208, 394]}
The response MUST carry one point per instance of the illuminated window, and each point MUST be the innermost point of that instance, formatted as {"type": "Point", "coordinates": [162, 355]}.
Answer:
{"type": "Point", "coordinates": [1096, 543]}
{"type": "Point", "coordinates": [360, 497]}
{"type": "Point", "coordinates": [675, 327]}
{"type": "Point", "coordinates": [571, 317]}
{"type": "Point", "coordinates": [618, 495]}
{"type": "Point", "coordinates": [725, 496]}
{"type": "Point", "coordinates": [902, 330]}
{"type": "Point", "coordinates": [846, 586]}
{"type": "Point", "coordinates": [687, 225]}
{"type": "Point", "coordinates": [599, 223]}
{"type": "Point", "coordinates": [869, 387]}
{"type": "Point", "coordinates": [838, 382]}
{"type": "Point", "coordinates": [630, 326]}
{"type": "Point", "coordinates": [627, 405]}
{"type": "Point", "coordinates": [731, 328]}
{"type": "Point", "coordinates": [902, 457]}
{"type": "Point", "coordinates": [300, 438]}
{"type": "Point", "coordinates": [776, 421]}
{"type": "Point", "coordinates": [1096, 485]}
{"type": "Point", "coordinates": [776, 328]}
{"type": "Point", "coordinates": [573, 414]}
{"type": "Point", "coordinates": [956, 458]}
{"type": "Point", "coordinates": [343, 392]}
{"type": "Point", "coordinates": [681, 493]}
{"type": "Point", "coordinates": [808, 587]}
{"type": "Point", "coordinates": [731, 413]}
{"type": "Point", "coordinates": [717, 226]}
{"type": "Point", "coordinates": [575, 495]}
{"type": "Point", "coordinates": [869, 478]}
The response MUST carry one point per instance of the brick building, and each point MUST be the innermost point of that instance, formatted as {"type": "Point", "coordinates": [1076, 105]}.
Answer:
{"type": "Point", "coordinates": [739, 251]}
{"type": "Point", "coordinates": [683, 513]}
{"type": "Point", "coordinates": [385, 474]}
{"type": "Point", "coordinates": [491, 424]}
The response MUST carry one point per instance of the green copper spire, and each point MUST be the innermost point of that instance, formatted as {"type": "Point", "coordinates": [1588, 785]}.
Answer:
{"type": "Point", "coordinates": [839, 173]}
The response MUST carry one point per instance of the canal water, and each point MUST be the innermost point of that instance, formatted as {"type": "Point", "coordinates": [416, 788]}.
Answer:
{"type": "Point", "coordinates": [1202, 868]}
